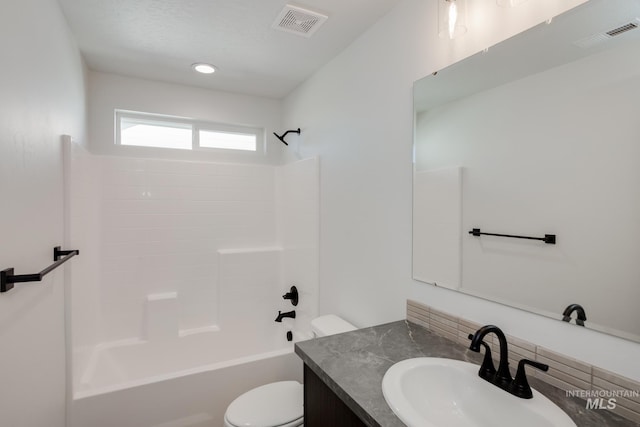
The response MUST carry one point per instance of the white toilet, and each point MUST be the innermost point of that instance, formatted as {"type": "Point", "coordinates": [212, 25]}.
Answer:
{"type": "Point", "coordinates": [279, 404]}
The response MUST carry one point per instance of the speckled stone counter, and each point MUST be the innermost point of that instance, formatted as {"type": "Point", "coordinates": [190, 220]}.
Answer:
{"type": "Point", "coordinates": [352, 366]}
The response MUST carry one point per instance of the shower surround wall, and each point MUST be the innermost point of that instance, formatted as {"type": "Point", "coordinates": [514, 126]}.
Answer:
{"type": "Point", "coordinates": [185, 265]}
{"type": "Point", "coordinates": [163, 223]}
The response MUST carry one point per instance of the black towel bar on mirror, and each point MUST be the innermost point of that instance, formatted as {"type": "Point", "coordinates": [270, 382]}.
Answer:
{"type": "Point", "coordinates": [548, 238]}
{"type": "Point", "coordinates": [7, 278]}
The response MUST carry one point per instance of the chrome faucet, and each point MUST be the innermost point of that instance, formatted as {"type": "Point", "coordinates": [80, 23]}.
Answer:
{"type": "Point", "coordinates": [519, 386]}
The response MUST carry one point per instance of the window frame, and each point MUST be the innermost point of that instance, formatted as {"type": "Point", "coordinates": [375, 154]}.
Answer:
{"type": "Point", "coordinates": [196, 127]}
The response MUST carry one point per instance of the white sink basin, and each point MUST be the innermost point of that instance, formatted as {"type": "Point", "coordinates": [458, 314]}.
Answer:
{"type": "Point", "coordinates": [434, 392]}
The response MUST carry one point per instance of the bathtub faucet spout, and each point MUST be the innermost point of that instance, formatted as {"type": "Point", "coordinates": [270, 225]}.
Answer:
{"type": "Point", "coordinates": [281, 315]}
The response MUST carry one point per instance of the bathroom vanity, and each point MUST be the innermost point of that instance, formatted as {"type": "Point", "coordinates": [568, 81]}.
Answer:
{"type": "Point", "coordinates": [343, 376]}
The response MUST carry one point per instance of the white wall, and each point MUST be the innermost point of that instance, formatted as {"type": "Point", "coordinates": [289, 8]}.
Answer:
{"type": "Point", "coordinates": [108, 92]}
{"type": "Point", "coordinates": [43, 97]}
{"type": "Point", "coordinates": [356, 114]}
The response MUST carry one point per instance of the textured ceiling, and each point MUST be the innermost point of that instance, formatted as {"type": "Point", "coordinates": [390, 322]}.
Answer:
{"type": "Point", "coordinates": [160, 39]}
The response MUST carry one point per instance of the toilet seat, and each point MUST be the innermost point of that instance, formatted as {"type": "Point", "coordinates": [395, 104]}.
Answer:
{"type": "Point", "coordinates": [278, 404]}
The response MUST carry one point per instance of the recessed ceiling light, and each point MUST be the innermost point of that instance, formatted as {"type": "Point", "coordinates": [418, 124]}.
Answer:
{"type": "Point", "coordinates": [203, 68]}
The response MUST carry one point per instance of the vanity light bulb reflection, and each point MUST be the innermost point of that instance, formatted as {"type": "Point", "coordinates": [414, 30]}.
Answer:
{"type": "Point", "coordinates": [451, 17]}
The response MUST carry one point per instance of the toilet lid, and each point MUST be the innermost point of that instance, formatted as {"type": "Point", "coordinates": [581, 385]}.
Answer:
{"type": "Point", "coordinates": [269, 405]}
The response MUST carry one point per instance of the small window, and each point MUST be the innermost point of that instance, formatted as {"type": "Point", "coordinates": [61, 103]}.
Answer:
{"type": "Point", "coordinates": [154, 133]}
{"type": "Point", "coordinates": [228, 140]}
{"type": "Point", "coordinates": [148, 130]}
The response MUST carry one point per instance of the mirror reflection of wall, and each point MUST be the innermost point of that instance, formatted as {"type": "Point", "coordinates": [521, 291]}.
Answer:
{"type": "Point", "coordinates": [554, 152]}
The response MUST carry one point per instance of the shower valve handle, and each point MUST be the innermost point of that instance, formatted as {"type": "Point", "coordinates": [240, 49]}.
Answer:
{"type": "Point", "coordinates": [292, 295]}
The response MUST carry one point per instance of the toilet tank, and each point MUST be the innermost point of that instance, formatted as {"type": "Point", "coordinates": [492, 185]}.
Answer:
{"type": "Point", "coordinates": [329, 325]}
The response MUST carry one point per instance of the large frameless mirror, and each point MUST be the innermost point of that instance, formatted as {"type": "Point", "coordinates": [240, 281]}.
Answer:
{"type": "Point", "coordinates": [537, 137]}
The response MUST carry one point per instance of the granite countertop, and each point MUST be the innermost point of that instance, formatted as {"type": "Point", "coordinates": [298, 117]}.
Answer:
{"type": "Point", "coordinates": [352, 364]}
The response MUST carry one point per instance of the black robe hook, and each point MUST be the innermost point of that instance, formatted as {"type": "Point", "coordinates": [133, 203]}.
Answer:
{"type": "Point", "coordinates": [281, 137]}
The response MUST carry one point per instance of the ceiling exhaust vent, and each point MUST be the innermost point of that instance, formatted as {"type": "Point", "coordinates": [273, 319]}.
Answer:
{"type": "Point", "coordinates": [596, 39]}
{"type": "Point", "coordinates": [623, 29]}
{"type": "Point", "coordinates": [296, 20]}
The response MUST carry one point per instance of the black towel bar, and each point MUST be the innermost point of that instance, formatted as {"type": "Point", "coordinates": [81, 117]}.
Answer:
{"type": "Point", "coordinates": [7, 278]}
{"type": "Point", "coordinates": [548, 238]}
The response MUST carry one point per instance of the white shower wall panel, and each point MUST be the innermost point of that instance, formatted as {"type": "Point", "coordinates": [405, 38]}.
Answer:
{"type": "Point", "coordinates": [249, 284]}
{"type": "Point", "coordinates": [298, 218]}
{"type": "Point", "coordinates": [155, 226]}
{"type": "Point", "coordinates": [163, 224]}
{"type": "Point", "coordinates": [84, 232]}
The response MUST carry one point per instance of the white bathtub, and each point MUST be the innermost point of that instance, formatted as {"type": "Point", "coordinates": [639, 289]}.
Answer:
{"type": "Point", "coordinates": [188, 383]}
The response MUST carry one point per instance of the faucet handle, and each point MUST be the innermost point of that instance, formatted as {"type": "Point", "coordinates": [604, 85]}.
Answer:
{"type": "Point", "coordinates": [520, 386]}
{"type": "Point", "coordinates": [487, 369]}
{"type": "Point", "coordinates": [292, 295]}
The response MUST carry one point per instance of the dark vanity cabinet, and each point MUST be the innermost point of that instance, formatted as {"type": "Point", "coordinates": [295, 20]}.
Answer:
{"type": "Point", "coordinates": [322, 407]}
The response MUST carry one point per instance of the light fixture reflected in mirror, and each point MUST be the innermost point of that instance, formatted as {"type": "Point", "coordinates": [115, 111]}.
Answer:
{"type": "Point", "coordinates": [509, 3]}
{"type": "Point", "coordinates": [452, 18]}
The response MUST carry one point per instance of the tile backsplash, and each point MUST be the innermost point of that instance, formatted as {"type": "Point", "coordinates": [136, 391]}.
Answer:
{"type": "Point", "coordinates": [571, 375]}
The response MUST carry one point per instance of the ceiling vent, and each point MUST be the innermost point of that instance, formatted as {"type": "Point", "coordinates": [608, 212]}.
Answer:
{"type": "Point", "coordinates": [596, 39]}
{"type": "Point", "coordinates": [296, 20]}
{"type": "Point", "coordinates": [623, 29]}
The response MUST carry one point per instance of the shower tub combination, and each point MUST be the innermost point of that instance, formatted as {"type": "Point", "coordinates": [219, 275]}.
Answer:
{"type": "Point", "coordinates": [173, 377]}
{"type": "Point", "coordinates": [183, 272]}
{"type": "Point", "coordinates": [187, 377]}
